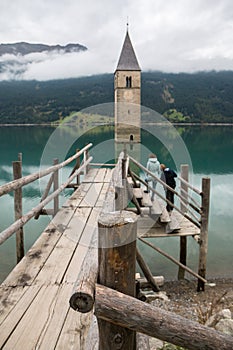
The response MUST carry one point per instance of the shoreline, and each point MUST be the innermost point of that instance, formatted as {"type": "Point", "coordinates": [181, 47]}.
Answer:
{"type": "Point", "coordinates": [143, 123]}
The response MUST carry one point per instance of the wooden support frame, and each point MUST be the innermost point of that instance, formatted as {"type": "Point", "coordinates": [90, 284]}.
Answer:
{"type": "Point", "coordinates": [15, 184]}
{"type": "Point", "coordinates": [83, 296]}
{"type": "Point", "coordinates": [184, 170]}
{"type": "Point", "coordinates": [167, 201]}
{"type": "Point", "coordinates": [125, 311]}
{"type": "Point", "coordinates": [117, 261]}
{"type": "Point", "coordinates": [55, 187]}
{"type": "Point", "coordinates": [173, 260]}
{"type": "Point", "coordinates": [5, 234]}
{"type": "Point", "coordinates": [146, 271]}
{"type": "Point", "coordinates": [204, 232]}
{"type": "Point", "coordinates": [18, 207]}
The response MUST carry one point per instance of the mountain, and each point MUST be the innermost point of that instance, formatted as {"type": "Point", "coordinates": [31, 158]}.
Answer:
{"type": "Point", "coordinates": [24, 48]}
{"type": "Point", "coordinates": [199, 98]}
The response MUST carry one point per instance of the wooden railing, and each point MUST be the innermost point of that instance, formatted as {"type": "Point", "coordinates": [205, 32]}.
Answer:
{"type": "Point", "coordinates": [119, 313]}
{"type": "Point", "coordinates": [189, 208]}
{"type": "Point", "coordinates": [19, 181]}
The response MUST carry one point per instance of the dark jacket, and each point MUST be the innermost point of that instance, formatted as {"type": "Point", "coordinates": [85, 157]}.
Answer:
{"type": "Point", "coordinates": [168, 176]}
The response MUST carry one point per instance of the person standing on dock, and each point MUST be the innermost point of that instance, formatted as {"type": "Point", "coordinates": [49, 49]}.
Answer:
{"type": "Point", "coordinates": [168, 176]}
{"type": "Point", "coordinates": [153, 165]}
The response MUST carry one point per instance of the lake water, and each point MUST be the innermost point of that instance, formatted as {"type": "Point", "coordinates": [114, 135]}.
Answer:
{"type": "Point", "coordinates": [208, 150]}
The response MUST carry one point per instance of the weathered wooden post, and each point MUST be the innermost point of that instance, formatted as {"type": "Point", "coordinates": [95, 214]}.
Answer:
{"type": "Point", "coordinates": [55, 187]}
{"type": "Point", "coordinates": [77, 167]}
{"type": "Point", "coordinates": [117, 264]}
{"type": "Point", "coordinates": [204, 231]}
{"type": "Point", "coordinates": [18, 207]}
{"type": "Point", "coordinates": [184, 174]}
{"type": "Point", "coordinates": [85, 158]}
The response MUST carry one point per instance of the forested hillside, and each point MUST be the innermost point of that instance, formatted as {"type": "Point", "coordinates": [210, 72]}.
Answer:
{"type": "Point", "coordinates": [199, 97]}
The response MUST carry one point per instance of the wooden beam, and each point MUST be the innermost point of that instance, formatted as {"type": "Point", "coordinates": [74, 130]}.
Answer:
{"type": "Point", "coordinates": [173, 260]}
{"type": "Point", "coordinates": [55, 187]}
{"type": "Point", "coordinates": [13, 185]}
{"type": "Point", "coordinates": [204, 231]}
{"type": "Point", "coordinates": [117, 261]}
{"type": "Point", "coordinates": [83, 295]}
{"type": "Point", "coordinates": [184, 170]}
{"type": "Point", "coordinates": [125, 311]}
{"type": "Point", "coordinates": [45, 194]}
{"type": "Point", "coordinates": [18, 206]}
{"type": "Point", "coordinates": [145, 269]}
{"type": "Point", "coordinates": [167, 201]}
{"type": "Point", "coordinates": [25, 218]}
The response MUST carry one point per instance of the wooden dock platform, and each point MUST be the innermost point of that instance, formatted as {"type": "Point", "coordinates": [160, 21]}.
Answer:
{"type": "Point", "coordinates": [35, 311]}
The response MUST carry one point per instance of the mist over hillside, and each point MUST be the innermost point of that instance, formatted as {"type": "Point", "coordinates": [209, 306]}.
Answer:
{"type": "Point", "coordinates": [24, 60]}
{"type": "Point", "coordinates": [200, 97]}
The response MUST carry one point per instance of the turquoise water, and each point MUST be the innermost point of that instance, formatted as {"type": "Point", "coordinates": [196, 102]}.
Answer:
{"type": "Point", "coordinates": [208, 150]}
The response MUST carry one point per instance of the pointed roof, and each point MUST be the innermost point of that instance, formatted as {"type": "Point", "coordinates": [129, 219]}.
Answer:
{"type": "Point", "coordinates": [128, 59]}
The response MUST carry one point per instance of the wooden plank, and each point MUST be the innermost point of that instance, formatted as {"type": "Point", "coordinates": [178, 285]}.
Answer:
{"type": "Point", "coordinates": [9, 296]}
{"type": "Point", "coordinates": [90, 176]}
{"type": "Point", "coordinates": [102, 196]}
{"type": "Point", "coordinates": [77, 196]}
{"type": "Point", "coordinates": [58, 310]}
{"type": "Point", "coordinates": [156, 208]}
{"type": "Point", "coordinates": [74, 331]}
{"type": "Point", "coordinates": [100, 175]}
{"type": "Point", "coordinates": [108, 175]}
{"type": "Point", "coordinates": [92, 195]}
{"type": "Point", "coordinates": [77, 224]}
{"type": "Point", "coordinates": [147, 227]}
{"type": "Point", "coordinates": [89, 232]}
{"type": "Point", "coordinates": [27, 333]}
{"type": "Point", "coordinates": [15, 315]}
{"type": "Point", "coordinates": [137, 192]}
{"type": "Point", "coordinates": [146, 201]}
{"type": "Point", "coordinates": [26, 271]}
{"type": "Point", "coordinates": [58, 262]}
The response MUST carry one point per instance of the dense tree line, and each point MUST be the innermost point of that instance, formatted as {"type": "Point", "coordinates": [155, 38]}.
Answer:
{"type": "Point", "coordinates": [199, 97]}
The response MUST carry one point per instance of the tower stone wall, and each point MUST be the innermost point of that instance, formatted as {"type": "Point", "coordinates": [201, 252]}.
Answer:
{"type": "Point", "coordinates": [127, 89]}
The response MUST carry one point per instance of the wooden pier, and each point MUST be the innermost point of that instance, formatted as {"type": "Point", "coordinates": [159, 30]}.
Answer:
{"type": "Point", "coordinates": [58, 275]}
{"type": "Point", "coordinates": [35, 311]}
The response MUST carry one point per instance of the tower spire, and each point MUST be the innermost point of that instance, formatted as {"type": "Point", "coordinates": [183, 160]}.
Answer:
{"type": "Point", "coordinates": [128, 59]}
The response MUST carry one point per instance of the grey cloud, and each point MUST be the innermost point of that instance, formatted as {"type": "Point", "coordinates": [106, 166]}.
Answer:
{"type": "Point", "coordinates": [182, 35]}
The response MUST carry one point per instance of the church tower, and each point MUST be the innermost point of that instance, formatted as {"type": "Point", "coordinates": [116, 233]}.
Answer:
{"type": "Point", "coordinates": [127, 90]}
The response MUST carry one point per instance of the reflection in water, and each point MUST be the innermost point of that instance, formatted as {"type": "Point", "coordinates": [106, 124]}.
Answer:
{"type": "Point", "coordinates": [209, 155]}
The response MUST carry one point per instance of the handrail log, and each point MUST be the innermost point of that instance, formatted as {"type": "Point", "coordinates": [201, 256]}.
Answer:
{"type": "Point", "coordinates": [131, 313]}
{"type": "Point", "coordinates": [188, 210]}
{"type": "Point", "coordinates": [166, 200]}
{"type": "Point", "coordinates": [83, 295]}
{"type": "Point", "coordinates": [45, 194]}
{"type": "Point", "coordinates": [15, 184]}
{"type": "Point", "coordinates": [162, 183]}
{"type": "Point", "coordinates": [190, 197]}
{"type": "Point", "coordinates": [173, 260]}
{"type": "Point", "coordinates": [190, 186]}
{"type": "Point", "coordinates": [24, 219]}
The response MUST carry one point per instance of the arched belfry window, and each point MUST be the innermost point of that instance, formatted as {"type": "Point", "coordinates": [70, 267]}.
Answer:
{"type": "Point", "coordinates": [128, 82]}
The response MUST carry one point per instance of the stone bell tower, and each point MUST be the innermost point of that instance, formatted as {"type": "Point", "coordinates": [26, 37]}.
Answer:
{"type": "Point", "coordinates": [127, 89]}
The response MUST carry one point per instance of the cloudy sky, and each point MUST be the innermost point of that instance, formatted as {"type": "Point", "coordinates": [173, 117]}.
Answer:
{"type": "Point", "coordinates": [168, 35]}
